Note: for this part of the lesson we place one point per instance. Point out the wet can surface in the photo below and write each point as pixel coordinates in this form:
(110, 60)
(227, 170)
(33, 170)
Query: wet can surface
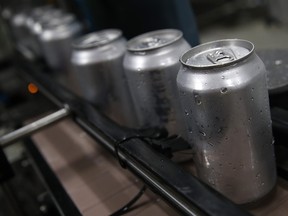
(97, 63)
(35, 15)
(151, 66)
(56, 37)
(224, 96)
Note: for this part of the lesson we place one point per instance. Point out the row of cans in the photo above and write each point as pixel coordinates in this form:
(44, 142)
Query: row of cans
(38, 32)
(215, 97)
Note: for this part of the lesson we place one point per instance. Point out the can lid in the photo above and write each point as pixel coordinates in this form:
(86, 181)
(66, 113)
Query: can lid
(51, 14)
(97, 39)
(217, 53)
(58, 21)
(154, 40)
(36, 14)
(19, 19)
(6, 13)
(38, 11)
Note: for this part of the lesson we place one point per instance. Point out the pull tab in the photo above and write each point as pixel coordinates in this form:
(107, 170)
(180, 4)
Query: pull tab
(151, 42)
(221, 56)
(95, 39)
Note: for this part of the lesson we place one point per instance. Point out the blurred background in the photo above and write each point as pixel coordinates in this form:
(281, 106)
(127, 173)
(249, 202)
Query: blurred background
(264, 22)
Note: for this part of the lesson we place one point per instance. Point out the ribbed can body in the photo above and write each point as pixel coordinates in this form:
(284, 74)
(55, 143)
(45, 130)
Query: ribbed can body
(151, 66)
(97, 64)
(56, 41)
(223, 91)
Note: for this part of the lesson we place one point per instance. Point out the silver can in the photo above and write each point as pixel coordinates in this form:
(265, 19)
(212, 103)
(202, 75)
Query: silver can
(35, 27)
(151, 65)
(56, 37)
(97, 62)
(224, 97)
(33, 17)
(19, 31)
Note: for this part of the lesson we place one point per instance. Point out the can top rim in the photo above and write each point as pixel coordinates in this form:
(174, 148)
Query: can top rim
(58, 21)
(154, 40)
(97, 39)
(194, 58)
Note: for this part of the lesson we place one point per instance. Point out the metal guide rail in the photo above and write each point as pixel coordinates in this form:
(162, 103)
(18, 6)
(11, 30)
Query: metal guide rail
(178, 187)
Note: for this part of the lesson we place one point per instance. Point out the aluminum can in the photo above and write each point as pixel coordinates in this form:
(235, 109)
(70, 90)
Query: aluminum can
(97, 62)
(35, 28)
(19, 31)
(151, 65)
(32, 18)
(224, 96)
(55, 39)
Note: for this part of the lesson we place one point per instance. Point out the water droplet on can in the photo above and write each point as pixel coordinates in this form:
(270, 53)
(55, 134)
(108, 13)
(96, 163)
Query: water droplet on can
(197, 99)
(202, 133)
(223, 90)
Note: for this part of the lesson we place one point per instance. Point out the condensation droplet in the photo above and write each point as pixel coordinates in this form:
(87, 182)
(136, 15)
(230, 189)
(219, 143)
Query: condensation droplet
(252, 89)
(252, 98)
(219, 130)
(224, 90)
(257, 175)
(222, 77)
(202, 133)
(249, 119)
(278, 62)
(197, 99)
(262, 183)
(184, 68)
(186, 112)
(183, 92)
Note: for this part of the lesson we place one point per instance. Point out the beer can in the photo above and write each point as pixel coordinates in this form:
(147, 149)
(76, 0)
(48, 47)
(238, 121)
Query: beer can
(33, 17)
(55, 39)
(35, 28)
(151, 65)
(224, 96)
(36, 13)
(97, 62)
(19, 31)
